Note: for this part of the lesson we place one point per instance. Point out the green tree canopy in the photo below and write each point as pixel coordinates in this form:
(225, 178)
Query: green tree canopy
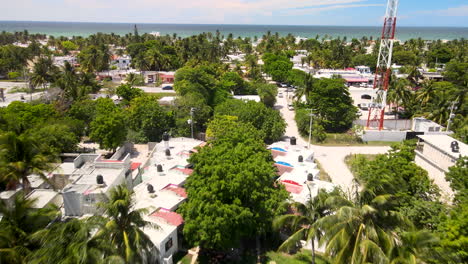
(333, 104)
(231, 191)
(147, 119)
(265, 119)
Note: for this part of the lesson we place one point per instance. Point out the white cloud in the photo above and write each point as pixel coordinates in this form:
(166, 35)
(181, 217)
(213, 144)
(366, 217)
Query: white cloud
(454, 11)
(307, 11)
(460, 11)
(164, 11)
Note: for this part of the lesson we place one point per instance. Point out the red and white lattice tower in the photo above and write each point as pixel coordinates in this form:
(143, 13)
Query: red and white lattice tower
(383, 70)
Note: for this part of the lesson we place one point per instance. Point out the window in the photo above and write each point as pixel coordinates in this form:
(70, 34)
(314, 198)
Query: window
(169, 244)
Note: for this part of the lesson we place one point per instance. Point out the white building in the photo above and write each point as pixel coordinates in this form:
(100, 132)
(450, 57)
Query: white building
(297, 171)
(436, 154)
(60, 60)
(89, 179)
(122, 62)
(421, 124)
(162, 192)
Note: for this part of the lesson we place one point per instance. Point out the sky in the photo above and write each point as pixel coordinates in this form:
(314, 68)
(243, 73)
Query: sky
(267, 12)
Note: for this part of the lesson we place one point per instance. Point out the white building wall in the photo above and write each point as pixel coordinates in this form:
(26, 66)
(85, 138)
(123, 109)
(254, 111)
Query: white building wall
(435, 174)
(434, 155)
(174, 249)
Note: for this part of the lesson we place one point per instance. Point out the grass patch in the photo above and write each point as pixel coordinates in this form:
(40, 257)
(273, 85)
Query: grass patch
(17, 89)
(323, 175)
(182, 257)
(354, 161)
(161, 95)
(345, 139)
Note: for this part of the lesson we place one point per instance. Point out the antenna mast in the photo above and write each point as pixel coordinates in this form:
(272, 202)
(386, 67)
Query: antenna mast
(383, 70)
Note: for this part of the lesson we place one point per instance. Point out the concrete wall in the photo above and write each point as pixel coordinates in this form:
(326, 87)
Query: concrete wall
(400, 124)
(389, 136)
(121, 151)
(83, 158)
(434, 155)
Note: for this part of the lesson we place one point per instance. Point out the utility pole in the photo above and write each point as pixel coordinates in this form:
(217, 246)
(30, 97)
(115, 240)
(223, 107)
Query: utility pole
(310, 127)
(452, 115)
(192, 109)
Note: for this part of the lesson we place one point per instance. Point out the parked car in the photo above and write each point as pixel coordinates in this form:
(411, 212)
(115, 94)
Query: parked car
(290, 107)
(280, 95)
(167, 87)
(366, 96)
(363, 106)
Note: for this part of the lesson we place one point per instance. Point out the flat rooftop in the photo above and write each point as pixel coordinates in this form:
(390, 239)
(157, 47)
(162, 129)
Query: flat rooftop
(444, 142)
(43, 197)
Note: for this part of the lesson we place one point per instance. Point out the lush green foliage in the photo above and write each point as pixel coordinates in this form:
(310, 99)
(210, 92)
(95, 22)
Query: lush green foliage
(108, 127)
(265, 119)
(147, 119)
(231, 191)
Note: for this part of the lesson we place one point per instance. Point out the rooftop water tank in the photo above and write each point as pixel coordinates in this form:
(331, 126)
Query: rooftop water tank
(159, 168)
(300, 158)
(293, 141)
(99, 179)
(150, 188)
(310, 177)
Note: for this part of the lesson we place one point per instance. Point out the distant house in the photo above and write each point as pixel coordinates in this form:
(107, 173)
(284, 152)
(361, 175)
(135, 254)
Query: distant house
(159, 76)
(121, 62)
(60, 60)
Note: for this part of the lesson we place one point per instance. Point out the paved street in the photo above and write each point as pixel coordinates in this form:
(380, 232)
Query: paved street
(11, 97)
(331, 158)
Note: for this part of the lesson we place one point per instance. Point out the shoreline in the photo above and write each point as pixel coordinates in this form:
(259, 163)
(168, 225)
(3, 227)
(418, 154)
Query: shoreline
(84, 29)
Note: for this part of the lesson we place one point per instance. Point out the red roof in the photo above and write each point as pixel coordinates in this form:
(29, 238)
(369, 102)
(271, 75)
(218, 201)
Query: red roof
(184, 170)
(276, 153)
(167, 75)
(282, 169)
(356, 80)
(169, 217)
(135, 165)
(178, 190)
(292, 188)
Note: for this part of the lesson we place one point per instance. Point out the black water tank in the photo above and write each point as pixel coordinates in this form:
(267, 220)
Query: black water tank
(293, 141)
(455, 147)
(150, 188)
(165, 136)
(100, 179)
(300, 158)
(159, 168)
(189, 166)
(168, 152)
(310, 177)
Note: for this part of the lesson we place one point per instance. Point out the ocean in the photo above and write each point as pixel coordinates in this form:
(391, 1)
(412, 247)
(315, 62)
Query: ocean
(69, 29)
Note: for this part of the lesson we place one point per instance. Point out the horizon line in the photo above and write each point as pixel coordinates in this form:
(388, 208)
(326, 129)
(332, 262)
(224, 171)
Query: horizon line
(207, 24)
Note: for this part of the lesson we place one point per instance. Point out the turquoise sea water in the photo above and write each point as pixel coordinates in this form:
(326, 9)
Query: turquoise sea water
(84, 29)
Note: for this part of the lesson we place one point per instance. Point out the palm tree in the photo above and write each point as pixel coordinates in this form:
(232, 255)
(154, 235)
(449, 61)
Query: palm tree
(68, 242)
(399, 93)
(427, 92)
(43, 72)
(122, 227)
(306, 89)
(414, 75)
(412, 247)
(19, 221)
(302, 220)
(21, 156)
(360, 232)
